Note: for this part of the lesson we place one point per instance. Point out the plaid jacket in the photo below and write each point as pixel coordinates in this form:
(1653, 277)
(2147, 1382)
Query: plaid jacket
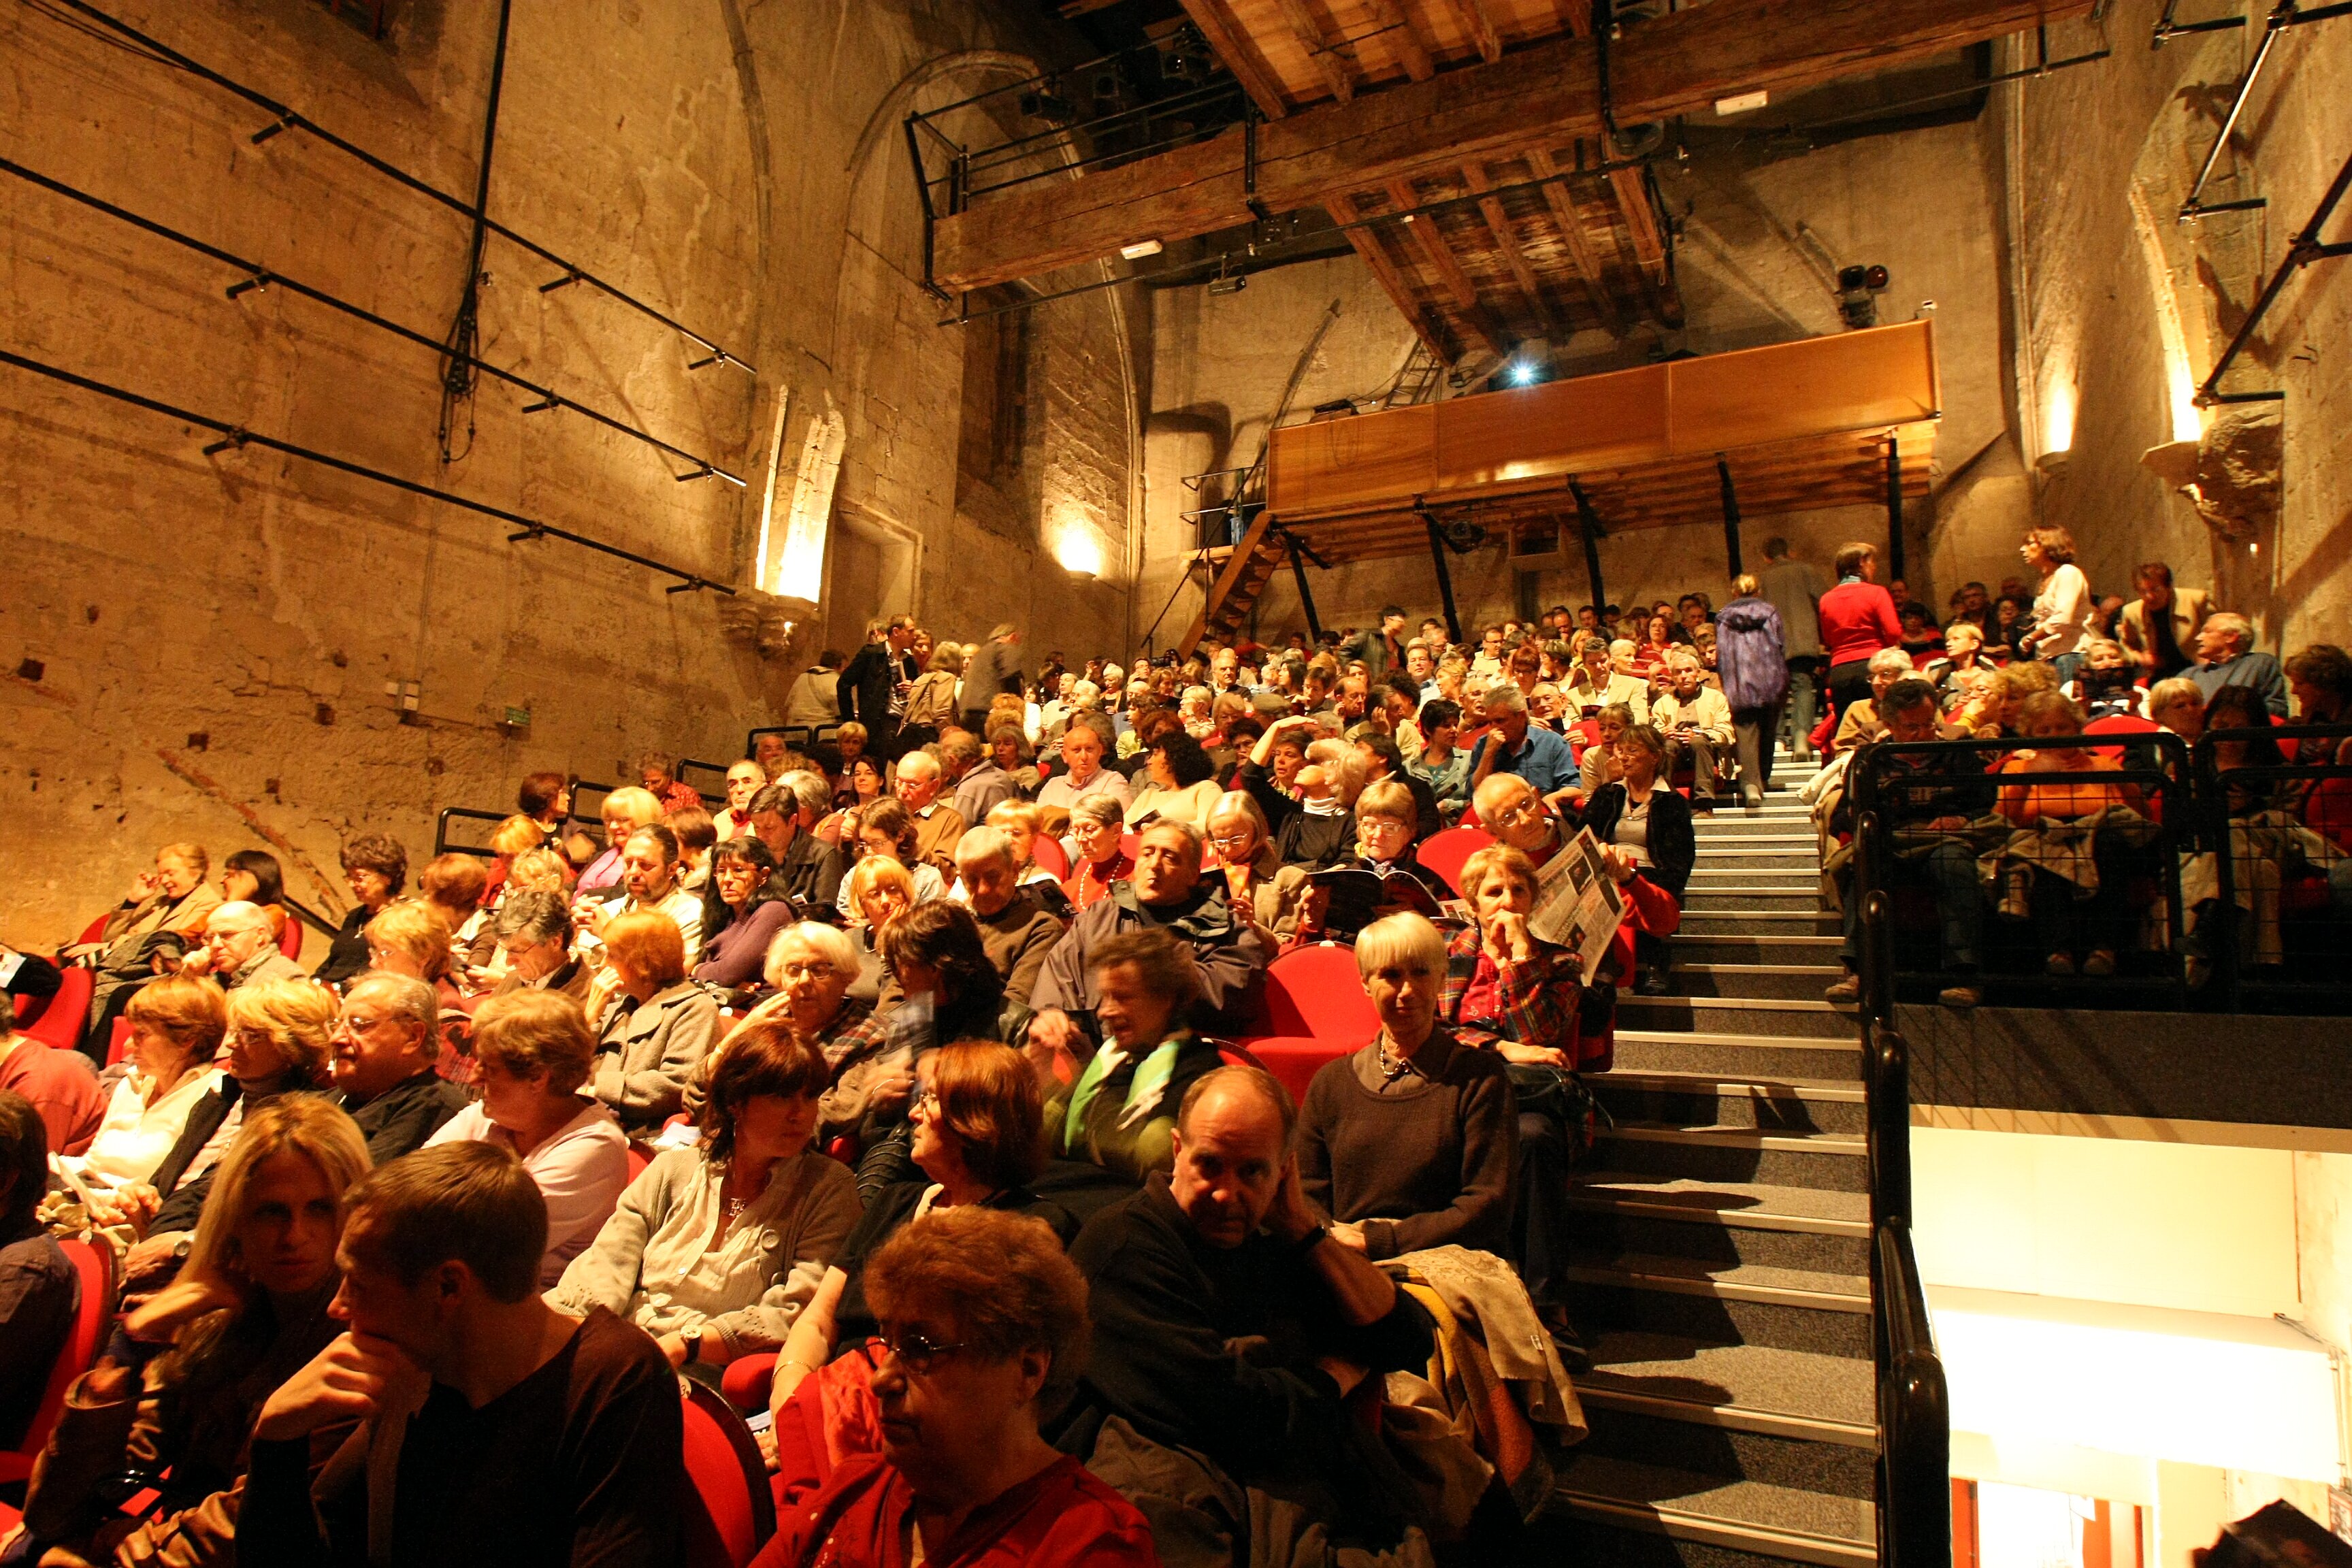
(1535, 1006)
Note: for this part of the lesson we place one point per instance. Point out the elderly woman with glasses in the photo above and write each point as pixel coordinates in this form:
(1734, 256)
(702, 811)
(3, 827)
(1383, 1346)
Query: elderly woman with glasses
(716, 1249)
(983, 1325)
(1098, 859)
(1258, 886)
(811, 972)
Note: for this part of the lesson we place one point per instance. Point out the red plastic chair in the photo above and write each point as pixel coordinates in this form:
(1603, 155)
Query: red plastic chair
(1129, 843)
(639, 1158)
(1316, 1012)
(737, 1514)
(1442, 853)
(82, 1340)
(1050, 856)
(60, 1023)
(290, 937)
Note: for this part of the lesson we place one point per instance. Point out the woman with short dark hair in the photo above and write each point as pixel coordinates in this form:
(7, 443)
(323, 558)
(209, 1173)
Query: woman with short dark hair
(376, 868)
(743, 907)
(716, 1249)
(1181, 781)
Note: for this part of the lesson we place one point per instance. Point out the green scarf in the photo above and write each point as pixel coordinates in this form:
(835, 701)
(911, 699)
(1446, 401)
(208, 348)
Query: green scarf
(1144, 1091)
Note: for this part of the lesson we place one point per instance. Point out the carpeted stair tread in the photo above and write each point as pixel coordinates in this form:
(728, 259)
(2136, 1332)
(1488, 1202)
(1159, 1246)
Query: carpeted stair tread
(1719, 1498)
(1732, 1376)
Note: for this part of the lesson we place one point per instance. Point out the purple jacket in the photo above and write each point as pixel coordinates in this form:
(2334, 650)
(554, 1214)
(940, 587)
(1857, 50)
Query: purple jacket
(1750, 654)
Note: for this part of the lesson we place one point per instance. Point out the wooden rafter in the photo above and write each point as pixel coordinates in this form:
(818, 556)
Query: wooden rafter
(1338, 73)
(1396, 35)
(1546, 93)
(1370, 245)
(1480, 27)
(1562, 202)
(1447, 266)
(1499, 224)
(1230, 44)
(1641, 221)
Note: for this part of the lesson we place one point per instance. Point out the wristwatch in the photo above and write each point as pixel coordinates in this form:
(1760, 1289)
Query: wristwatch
(694, 1346)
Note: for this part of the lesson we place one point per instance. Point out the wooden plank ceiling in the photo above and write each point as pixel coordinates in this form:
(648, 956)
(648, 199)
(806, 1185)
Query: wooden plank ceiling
(1508, 260)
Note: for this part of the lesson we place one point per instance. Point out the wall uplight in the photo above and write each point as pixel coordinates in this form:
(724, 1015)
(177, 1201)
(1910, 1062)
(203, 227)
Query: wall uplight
(2058, 416)
(1079, 550)
(1140, 249)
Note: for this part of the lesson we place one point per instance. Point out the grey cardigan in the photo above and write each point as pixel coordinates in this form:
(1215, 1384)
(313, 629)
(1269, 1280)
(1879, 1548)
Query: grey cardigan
(646, 1052)
(669, 1263)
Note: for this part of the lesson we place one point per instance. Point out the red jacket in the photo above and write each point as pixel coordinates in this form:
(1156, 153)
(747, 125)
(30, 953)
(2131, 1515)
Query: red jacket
(1858, 619)
(1060, 1518)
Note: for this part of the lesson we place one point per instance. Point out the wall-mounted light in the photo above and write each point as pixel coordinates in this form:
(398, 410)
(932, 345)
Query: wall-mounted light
(1079, 550)
(2058, 408)
(1140, 249)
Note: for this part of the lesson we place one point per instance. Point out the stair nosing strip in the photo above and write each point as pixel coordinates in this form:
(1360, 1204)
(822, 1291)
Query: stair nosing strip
(1668, 1080)
(1740, 1220)
(1846, 1145)
(1756, 970)
(1768, 1004)
(1731, 1417)
(1720, 1290)
(1802, 1546)
(1775, 1042)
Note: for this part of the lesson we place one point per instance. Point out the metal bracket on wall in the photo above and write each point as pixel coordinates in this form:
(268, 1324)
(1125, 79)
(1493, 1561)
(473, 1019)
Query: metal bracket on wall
(2168, 28)
(2284, 15)
(2305, 248)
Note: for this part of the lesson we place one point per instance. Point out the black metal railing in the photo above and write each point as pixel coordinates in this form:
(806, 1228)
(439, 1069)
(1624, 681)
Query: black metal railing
(1955, 845)
(2227, 886)
(1913, 1408)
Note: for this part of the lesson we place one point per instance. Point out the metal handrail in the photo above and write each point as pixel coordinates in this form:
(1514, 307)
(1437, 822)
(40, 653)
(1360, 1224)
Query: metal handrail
(2213, 784)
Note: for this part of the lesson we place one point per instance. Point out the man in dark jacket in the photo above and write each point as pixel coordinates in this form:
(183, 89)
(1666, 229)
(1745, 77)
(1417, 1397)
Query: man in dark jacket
(873, 690)
(995, 666)
(1751, 657)
(1229, 1330)
(1165, 892)
(1382, 650)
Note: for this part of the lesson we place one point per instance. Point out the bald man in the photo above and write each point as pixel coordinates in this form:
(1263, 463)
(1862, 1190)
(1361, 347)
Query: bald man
(240, 948)
(938, 825)
(1225, 1248)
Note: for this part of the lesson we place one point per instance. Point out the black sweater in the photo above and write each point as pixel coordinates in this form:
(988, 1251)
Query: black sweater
(1673, 843)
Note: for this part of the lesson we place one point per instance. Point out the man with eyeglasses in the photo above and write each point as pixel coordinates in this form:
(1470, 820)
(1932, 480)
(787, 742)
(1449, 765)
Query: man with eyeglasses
(1223, 1250)
(1016, 932)
(1509, 808)
(380, 1059)
(1165, 892)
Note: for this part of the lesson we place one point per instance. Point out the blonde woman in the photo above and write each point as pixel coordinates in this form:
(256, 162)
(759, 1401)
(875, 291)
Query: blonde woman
(1258, 886)
(879, 890)
(535, 1049)
(1019, 822)
(624, 810)
(176, 1025)
(246, 1312)
(653, 1024)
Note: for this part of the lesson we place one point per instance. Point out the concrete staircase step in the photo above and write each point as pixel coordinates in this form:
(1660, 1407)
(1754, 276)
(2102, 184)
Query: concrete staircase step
(1832, 1162)
(1804, 1453)
(1630, 1513)
(1689, 947)
(1807, 876)
(1738, 1055)
(1796, 982)
(1824, 1315)
(1757, 1384)
(1747, 1205)
(1739, 823)
(1742, 896)
(1760, 922)
(1793, 1016)
(1704, 1099)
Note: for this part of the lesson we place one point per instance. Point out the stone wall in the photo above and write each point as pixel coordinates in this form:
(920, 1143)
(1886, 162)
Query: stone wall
(201, 644)
(2122, 311)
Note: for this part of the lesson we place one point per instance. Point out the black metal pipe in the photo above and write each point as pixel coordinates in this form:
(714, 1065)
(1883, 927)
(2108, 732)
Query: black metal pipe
(1589, 523)
(1894, 505)
(465, 326)
(237, 435)
(1731, 514)
(255, 276)
(2281, 16)
(2306, 249)
(1445, 579)
(288, 119)
(1306, 594)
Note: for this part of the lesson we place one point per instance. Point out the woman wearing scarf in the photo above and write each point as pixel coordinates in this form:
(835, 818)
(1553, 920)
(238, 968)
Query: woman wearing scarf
(1120, 1113)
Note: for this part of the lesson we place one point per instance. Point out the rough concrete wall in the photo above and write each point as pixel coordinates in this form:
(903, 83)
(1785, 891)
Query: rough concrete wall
(1762, 242)
(205, 641)
(2094, 150)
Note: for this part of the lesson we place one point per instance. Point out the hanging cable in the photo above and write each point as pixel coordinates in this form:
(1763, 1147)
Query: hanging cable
(285, 118)
(466, 327)
(252, 276)
(235, 435)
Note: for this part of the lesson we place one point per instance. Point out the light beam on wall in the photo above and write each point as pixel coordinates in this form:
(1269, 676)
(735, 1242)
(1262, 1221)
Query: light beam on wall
(2058, 415)
(1080, 550)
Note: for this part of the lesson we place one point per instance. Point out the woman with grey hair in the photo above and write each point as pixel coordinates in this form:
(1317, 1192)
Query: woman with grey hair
(1098, 859)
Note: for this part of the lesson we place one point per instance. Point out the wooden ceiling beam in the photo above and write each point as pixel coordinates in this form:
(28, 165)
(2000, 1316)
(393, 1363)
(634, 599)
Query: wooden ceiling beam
(1499, 224)
(1338, 73)
(1480, 26)
(1396, 35)
(1562, 202)
(1370, 245)
(1230, 44)
(1544, 94)
(1438, 255)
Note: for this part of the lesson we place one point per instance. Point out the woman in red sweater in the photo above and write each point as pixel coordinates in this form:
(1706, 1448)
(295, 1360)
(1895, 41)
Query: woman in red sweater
(1857, 619)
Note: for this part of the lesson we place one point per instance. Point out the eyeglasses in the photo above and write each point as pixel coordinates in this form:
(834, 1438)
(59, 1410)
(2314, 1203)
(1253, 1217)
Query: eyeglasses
(912, 1348)
(817, 971)
(926, 1098)
(1526, 811)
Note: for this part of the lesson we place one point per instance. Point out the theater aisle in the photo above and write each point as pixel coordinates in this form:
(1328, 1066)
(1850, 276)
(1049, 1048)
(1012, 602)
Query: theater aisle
(1725, 1288)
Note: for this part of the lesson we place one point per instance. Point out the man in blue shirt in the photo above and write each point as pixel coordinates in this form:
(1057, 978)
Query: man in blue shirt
(2226, 657)
(1513, 745)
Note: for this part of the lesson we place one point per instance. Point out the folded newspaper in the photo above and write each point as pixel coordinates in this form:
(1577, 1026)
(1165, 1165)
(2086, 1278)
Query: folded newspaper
(1578, 906)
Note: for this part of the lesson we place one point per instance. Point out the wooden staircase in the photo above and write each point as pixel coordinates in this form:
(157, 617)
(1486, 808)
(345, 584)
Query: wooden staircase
(1724, 1275)
(1246, 571)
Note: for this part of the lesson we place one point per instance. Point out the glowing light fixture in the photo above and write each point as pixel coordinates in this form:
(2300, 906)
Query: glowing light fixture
(2058, 415)
(1140, 249)
(1523, 374)
(1080, 550)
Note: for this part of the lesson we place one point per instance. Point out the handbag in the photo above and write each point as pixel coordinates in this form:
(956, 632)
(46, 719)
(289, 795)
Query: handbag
(1562, 1096)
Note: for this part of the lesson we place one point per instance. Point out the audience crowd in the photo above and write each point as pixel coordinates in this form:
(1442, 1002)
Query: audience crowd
(904, 1102)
